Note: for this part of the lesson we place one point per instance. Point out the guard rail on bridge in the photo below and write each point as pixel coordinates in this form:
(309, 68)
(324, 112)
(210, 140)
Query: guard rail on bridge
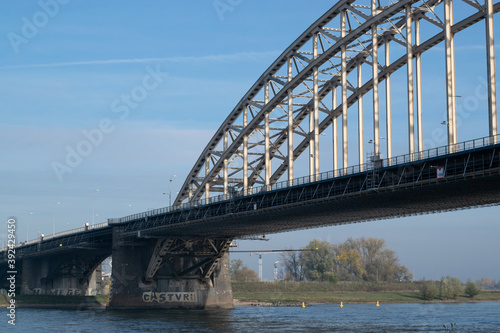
(376, 164)
(401, 160)
(61, 234)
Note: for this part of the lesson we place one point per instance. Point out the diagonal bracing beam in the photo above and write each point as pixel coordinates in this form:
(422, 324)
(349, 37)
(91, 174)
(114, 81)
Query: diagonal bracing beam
(161, 249)
(206, 255)
(216, 259)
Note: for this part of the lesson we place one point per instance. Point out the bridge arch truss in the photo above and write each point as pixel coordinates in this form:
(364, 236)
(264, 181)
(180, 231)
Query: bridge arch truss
(307, 91)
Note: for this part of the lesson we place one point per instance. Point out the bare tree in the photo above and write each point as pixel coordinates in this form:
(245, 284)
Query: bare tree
(292, 262)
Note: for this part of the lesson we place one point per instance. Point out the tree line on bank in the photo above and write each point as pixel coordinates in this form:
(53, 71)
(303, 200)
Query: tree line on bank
(362, 259)
(448, 288)
(488, 283)
(241, 273)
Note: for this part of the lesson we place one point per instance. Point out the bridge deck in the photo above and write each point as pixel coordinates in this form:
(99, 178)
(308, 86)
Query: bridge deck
(471, 179)
(386, 189)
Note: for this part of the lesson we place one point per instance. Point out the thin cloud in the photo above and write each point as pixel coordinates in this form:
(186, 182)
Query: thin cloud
(209, 58)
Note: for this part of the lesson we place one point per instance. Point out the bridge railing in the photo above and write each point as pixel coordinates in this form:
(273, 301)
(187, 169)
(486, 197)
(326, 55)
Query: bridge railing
(375, 163)
(441, 151)
(59, 234)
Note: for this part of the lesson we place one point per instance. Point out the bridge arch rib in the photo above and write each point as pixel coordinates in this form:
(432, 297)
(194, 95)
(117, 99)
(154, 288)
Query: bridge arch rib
(304, 81)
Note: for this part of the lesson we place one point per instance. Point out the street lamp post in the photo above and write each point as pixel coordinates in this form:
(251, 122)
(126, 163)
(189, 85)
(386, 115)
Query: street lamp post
(54, 218)
(375, 156)
(170, 190)
(93, 205)
(376, 163)
(372, 142)
(27, 228)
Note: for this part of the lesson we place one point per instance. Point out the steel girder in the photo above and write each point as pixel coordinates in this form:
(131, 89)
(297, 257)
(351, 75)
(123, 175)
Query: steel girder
(293, 208)
(93, 240)
(296, 85)
(205, 255)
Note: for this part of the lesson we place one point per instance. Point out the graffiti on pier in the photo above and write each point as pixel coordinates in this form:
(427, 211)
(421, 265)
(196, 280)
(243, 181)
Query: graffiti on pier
(163, 297)
(60, 292)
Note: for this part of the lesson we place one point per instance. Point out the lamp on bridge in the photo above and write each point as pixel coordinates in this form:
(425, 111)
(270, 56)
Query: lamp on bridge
(54, 218)
(93, 204)
(27, 229)
(376, 156)
(170, 190)
(444, 122)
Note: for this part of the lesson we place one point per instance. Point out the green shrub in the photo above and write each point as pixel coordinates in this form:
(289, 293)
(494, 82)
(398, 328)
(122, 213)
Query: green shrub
(332, 278)
(450, 288)
(429, 290)
(472, 289)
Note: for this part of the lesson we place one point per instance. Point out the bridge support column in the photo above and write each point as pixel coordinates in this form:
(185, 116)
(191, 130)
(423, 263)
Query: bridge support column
(316, 99)
(376, 124)
(335, 133)
(267, 140)
(388, 101)
(450, 74)
(361, 141)
(290, 124)
(490, 63)
(57, 275)
(418, 81)
(170, 273)
(345, 145)
(409, 64)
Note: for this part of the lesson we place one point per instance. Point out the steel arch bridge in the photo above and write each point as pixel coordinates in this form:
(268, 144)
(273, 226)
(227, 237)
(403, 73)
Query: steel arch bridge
(307, 90)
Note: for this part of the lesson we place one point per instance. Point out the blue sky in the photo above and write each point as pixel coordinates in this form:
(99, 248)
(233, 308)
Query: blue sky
(66, 78)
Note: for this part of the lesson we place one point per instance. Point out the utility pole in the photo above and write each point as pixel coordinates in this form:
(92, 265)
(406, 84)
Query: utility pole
(260, 267)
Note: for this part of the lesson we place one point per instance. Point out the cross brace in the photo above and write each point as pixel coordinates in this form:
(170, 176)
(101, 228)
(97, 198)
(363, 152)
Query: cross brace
(161, 249)
(205, 255)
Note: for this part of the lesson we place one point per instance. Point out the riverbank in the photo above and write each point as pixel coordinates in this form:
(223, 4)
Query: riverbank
(294, 293)
(279, 294)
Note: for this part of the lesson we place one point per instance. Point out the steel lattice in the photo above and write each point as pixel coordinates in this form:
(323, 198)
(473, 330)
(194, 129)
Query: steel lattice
(269, 124)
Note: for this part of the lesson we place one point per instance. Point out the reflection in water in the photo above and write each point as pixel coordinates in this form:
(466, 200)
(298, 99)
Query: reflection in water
(467, 317)
(175, 320)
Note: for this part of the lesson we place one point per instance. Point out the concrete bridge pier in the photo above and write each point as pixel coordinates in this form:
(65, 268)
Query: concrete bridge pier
(64, 275)
(170, 273)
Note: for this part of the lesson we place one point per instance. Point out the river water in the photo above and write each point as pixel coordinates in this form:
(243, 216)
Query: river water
(467, 317)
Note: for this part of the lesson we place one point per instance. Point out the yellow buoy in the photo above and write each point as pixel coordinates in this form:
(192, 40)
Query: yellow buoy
(341, 305)
(378, 304)
(303, 305)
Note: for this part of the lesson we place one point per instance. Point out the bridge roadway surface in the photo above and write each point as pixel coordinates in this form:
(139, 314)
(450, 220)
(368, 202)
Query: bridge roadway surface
(471, 179)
